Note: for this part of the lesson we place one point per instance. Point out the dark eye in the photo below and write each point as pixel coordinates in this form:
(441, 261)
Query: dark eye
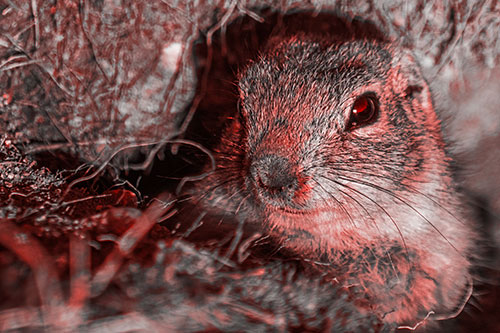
(364, 111)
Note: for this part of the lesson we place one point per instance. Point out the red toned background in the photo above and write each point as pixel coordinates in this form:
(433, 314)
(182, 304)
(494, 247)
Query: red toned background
(92, 91)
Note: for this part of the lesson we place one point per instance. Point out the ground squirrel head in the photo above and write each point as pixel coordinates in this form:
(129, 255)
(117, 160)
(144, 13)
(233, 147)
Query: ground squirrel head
(337, 150)
(342, 127)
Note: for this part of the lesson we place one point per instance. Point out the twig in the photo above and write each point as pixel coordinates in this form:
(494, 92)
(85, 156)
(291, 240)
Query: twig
(83, 19)
(17, 318)
(250, 13)
(13, 58)
(201, 176)
(34, 10)
(149, 159)
(460, 308)
(129, 322)
(242, 249)
(196, 224)
(414, 327)
(29, 250)
(236, 239)
(204, 78)
(79, 265)
(102, 166)
(57, 146)
(222, 22)
(93, 197)
(39, 65)
(61, 130)
(125, 245)
(19, 64)
(3, 43)
(452, 45)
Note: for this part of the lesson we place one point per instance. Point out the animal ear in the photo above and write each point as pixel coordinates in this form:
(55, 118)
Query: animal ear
(408, 80)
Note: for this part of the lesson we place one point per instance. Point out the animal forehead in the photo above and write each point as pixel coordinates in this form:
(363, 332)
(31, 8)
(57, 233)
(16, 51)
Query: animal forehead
(332, 53)
(306, 81)
(297, 66)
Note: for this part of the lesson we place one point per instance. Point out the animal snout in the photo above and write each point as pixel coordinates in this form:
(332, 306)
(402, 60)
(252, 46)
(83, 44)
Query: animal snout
(274, 177)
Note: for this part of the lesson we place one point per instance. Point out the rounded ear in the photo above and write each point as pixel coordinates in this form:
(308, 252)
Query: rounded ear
(409, 84)
(407, 79)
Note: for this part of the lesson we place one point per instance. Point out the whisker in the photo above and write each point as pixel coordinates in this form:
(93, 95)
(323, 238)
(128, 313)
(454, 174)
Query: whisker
(361, 182)
(378, 205)
(211, 189)
(409, 186)
(338, 202)
(238, 232)
(367, 212)
(376, 226)
(241, 203)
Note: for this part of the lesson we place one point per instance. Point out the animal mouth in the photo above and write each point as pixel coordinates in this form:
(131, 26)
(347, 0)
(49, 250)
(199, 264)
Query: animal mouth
(285, 210)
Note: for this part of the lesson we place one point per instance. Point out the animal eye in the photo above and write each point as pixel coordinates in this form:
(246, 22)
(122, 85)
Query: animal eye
(364, 111)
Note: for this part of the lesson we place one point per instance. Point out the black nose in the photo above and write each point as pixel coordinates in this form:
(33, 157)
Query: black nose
(274, 176)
